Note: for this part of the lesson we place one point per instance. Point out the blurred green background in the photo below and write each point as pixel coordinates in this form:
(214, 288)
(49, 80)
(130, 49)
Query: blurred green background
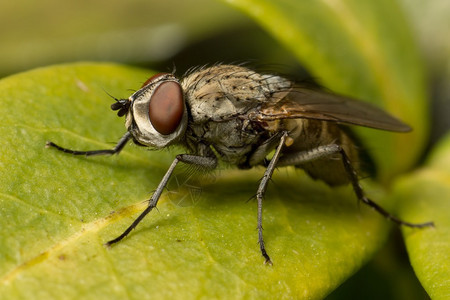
(144, 33)
(161, 34)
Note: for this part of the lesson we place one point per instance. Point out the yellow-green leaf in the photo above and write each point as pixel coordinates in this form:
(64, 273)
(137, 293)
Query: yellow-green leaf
(425, 196)
(57, 210)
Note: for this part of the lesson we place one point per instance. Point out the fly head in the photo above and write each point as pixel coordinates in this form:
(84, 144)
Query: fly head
(156, 114)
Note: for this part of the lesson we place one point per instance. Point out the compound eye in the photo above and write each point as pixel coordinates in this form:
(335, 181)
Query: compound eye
(153, 78)
(166, 107)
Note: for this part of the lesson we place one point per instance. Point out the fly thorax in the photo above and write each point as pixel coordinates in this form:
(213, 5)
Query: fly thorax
(222, 92)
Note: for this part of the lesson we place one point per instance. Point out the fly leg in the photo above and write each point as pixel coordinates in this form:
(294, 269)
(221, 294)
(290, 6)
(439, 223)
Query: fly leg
(327, 150)
(203, 161)
(116, 150)
(208, 162)
(260, 195)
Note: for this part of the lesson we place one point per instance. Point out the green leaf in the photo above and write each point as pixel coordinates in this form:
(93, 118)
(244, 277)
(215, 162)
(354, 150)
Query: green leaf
(57, 210)
(425, 196)
(359, 48)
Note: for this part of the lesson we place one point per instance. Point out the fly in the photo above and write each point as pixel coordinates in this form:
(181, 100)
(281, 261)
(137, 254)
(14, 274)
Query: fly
(239, 116)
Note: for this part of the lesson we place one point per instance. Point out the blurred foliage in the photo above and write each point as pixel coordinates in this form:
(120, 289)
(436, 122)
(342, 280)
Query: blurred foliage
(137, 31)
(431, 25)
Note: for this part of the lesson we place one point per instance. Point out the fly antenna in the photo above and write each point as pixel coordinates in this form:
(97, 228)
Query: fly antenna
(122, 105)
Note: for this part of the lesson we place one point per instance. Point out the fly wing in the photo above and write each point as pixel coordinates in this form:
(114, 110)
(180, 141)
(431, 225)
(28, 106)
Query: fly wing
(300, 102)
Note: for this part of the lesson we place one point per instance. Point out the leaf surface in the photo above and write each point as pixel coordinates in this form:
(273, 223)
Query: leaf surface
(58, 210)
(425, 196)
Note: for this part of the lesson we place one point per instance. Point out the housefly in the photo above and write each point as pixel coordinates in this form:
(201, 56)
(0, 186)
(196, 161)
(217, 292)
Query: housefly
(239, 116)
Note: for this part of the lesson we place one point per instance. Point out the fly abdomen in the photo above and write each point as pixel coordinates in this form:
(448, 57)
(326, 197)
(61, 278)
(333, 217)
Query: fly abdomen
(312, 151)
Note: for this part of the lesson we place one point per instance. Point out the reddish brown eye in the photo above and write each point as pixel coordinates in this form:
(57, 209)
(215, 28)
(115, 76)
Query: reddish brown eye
(153, 78)
(166, 107)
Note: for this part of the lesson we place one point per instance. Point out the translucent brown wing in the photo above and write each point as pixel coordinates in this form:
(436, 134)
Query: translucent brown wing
(305, 103)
